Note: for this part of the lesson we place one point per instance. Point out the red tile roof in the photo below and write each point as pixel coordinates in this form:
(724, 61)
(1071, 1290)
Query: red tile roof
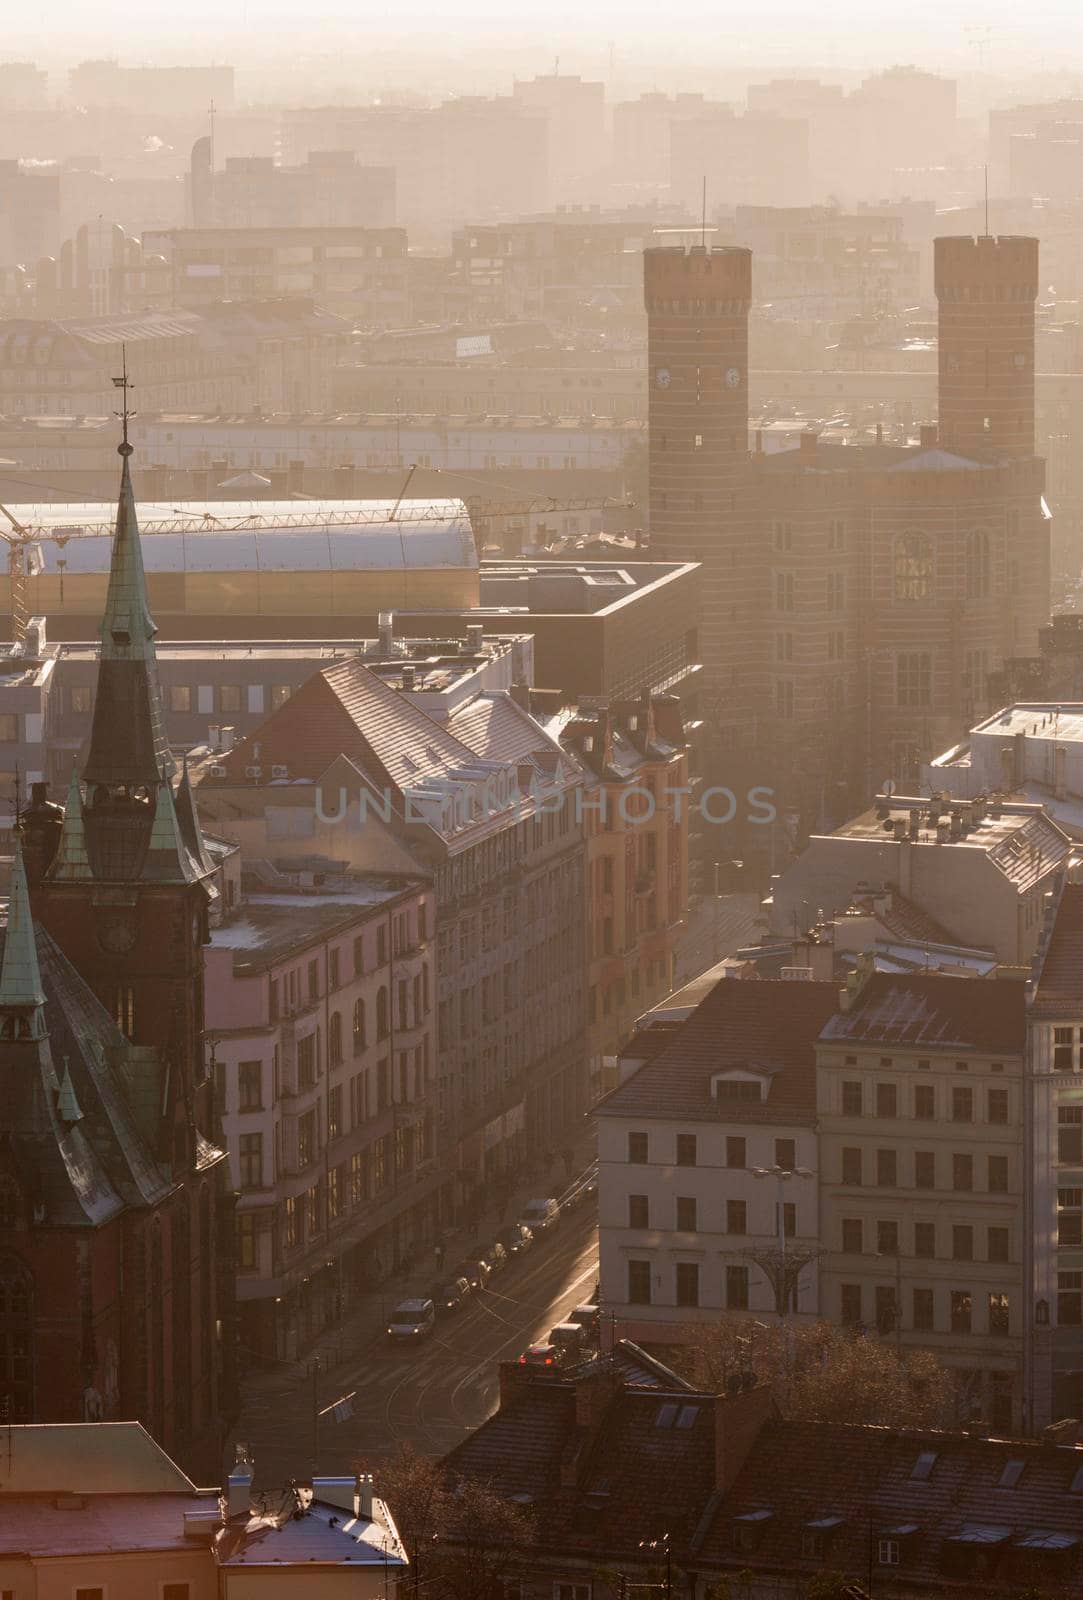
(772, 1023)
(935, 1012)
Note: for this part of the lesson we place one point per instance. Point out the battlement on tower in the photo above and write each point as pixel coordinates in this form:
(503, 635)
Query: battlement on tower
(697, 280)
(986, 268)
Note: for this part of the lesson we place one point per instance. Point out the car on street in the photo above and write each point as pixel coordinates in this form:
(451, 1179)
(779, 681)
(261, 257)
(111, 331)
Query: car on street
(475, 1270)
(571, 1340)
(587, 1316)
(539, 1215)
(542, 1354)
(515, 1238)
(496, 1256)
(411, 1319)
(453, 1295)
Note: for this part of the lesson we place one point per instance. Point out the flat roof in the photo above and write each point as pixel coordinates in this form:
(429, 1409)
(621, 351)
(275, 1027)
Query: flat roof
(270, 925)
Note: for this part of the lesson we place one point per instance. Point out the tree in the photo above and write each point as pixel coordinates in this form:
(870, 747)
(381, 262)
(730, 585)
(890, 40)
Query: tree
(464, 1540)
(823, 1373)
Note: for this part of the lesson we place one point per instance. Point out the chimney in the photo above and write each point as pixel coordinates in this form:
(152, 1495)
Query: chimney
(928, 436)
(738, 1419)
(1060, 781)
(239, 1485)
(475, 634)
(520, 693)
(226, 739)
(594, 1392)
(512, 1379)
(409, 677)
(807, 445)
(366, 1492)
(385, 632)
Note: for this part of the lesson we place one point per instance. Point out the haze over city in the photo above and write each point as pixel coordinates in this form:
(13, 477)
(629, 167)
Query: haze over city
(541, 802)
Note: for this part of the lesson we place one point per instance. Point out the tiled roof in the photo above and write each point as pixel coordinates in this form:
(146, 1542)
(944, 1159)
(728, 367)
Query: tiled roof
(908, 921)
(803, 1471)
(935, 1012)
(771, 1023)
(1060, 981)
(497, 729)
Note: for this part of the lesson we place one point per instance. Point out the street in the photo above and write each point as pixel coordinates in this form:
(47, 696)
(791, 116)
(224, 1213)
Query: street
(428, 1396)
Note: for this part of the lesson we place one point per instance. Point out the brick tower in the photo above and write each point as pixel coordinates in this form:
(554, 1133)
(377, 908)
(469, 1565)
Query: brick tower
(697, 329)
(986, 289)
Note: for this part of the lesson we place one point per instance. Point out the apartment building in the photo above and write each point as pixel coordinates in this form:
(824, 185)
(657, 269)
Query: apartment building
(320, 1011)
(1053, 1290)
(707, 1163)
(636, 806)
(922, 1175)
(1032, 749)
(977, 868)
(483, 807)
(329, 190)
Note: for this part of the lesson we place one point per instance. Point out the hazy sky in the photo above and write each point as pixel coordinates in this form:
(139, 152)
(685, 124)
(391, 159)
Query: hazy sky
(998, 35)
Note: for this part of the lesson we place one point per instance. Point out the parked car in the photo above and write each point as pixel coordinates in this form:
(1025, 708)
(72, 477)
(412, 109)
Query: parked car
(411, 1319)
(496, 1257)
(542, 1354)
(515, 1238)
(587, 1317)
(476, 1271)
(572, 1340)
(538, 1215)
(453, 1295)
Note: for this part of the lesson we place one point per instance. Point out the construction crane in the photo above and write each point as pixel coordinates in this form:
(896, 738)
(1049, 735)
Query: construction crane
(26, 561)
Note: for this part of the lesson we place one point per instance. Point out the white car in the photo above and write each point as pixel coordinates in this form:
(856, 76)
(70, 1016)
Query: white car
(537, 1215)
(412, 1319)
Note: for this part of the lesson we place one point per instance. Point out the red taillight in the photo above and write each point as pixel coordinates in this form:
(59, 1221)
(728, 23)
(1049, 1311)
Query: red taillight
(548, 1361)
(522, 1361)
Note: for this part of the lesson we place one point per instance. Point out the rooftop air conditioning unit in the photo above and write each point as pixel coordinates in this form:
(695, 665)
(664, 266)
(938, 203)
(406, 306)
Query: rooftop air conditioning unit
(253, 772)
(280, 771)
(219, 772)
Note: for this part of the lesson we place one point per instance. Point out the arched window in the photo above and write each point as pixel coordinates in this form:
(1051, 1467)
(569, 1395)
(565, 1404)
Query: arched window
(913, 566)
(977, 564)
(16, 1341)
(358, 1027)
(381, 1014)
(334, 1039)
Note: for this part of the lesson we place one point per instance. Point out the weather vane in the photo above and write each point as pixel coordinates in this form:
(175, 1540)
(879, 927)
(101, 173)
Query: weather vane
(122, 383)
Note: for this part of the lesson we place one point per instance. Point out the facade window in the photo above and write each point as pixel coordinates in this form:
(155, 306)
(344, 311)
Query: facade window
(736, 1216)
(686, 1213)
(306, 1139)
(977, 564)
(686, 1149)
(358, 1026)
(247, 1258)
(1070, 1299)
(999, 1315)
(962, 1103)
(886, 1100)
(998, 1105)
(783, 591)
(250, 1156)
(1063, 1049)
(784, 698)
(306, 1061)
(638, 1211)
(997, 1174)
(639, 1283)
(924, 1102)
(914, 566)
(886, 1169)
(334, 1112)
(998, 1244)
(180, 697)
(924, 1169)
(853, 1241)
(334, 1039)
(250, 1085)
(637, 1148)
(913, 679)
(1070, 1217)
(886, 1309)
(962, 1172)
(1070, 1135)
(358, 1184)
(229, 697)
(887, 1552)
(382, 1023)
(785, 1154)
(923, 1310)
(836, 591)
(16, 1341)
(735, 1151)
(850, 1304)
(687, 1283)
(851, 1166)
(292, 1223)
(280, 693)
(925, 1240)
(887, 1238)
(960, 1311)
(851, 1099)
(962, 1242)
(737, 1288)
(783, 535)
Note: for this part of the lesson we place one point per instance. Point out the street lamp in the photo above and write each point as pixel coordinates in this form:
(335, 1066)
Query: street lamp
(782, 1176)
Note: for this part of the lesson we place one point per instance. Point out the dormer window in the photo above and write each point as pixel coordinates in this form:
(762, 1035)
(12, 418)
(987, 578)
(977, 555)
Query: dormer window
(738, 1086)
(817, 1535)
(749, 1528)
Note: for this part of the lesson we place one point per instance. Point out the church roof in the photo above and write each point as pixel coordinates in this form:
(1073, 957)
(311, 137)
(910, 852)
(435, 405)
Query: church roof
(20, 979)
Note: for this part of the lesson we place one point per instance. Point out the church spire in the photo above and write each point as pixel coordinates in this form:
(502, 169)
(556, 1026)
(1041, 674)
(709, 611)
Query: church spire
(22, 997)
(128, 745)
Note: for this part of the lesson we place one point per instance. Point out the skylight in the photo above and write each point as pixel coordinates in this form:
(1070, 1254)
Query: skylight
(687, 1416)
(1077, 1482)
(1013, 1471)
(666, 1415)
(923, 1466)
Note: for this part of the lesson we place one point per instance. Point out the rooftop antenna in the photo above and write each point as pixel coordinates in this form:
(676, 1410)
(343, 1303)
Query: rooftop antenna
(125, 415)
(703, 215)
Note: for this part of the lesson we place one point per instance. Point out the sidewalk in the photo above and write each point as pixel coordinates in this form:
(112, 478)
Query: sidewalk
(364, 1323)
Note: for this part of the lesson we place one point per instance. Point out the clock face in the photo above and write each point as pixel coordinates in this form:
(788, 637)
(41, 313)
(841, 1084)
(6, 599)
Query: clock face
(663, 377)
(733, 378)
(117, 936)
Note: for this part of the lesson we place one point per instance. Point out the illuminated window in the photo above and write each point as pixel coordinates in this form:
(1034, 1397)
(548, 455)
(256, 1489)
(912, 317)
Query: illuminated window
(913, 566)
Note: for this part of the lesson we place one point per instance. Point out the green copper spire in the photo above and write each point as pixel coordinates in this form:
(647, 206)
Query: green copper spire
(21, 992)
(71, 861)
